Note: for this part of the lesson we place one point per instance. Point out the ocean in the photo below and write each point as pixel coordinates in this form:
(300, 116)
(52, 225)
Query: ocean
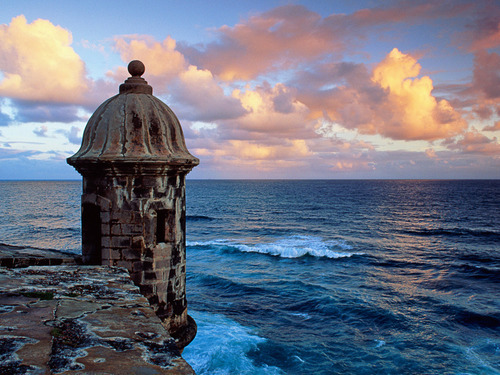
(319, 277)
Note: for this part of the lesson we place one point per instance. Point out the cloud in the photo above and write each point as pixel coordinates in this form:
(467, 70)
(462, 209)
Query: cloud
(278, 39)
(407, 12)
(39, 64)
(42, 131)
(271, 111)
(487, 74)
(254, 159)
(11, 153)
(416, 113)
(391, 100)
(430, 153)
(492, 128)
(250, 150)
(197, 96)
(473, 142)
(484, 32)
(162, 60)
(285, 37)
(195, 93)
(74, 135)
(45, 112)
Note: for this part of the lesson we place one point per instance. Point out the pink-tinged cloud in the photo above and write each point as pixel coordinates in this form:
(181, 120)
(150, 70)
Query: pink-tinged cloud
(391, 100)
(473, 142)
(492, 128)
(250, 158)
(408, 12)
(278, 39)
(39, 64)
(351, 165)
(285, 37)
(271, 111)
(197, 96)
(487, 75)
(162, 60)
(252, 150)
(194, 94)
(484, 32)
(430, 153)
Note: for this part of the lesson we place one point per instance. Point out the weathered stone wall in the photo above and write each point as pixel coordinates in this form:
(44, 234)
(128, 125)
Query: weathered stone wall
(142, 228)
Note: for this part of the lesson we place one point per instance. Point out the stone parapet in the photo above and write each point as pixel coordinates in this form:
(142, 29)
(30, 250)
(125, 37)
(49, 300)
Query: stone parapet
(18, 257)
(81, 319)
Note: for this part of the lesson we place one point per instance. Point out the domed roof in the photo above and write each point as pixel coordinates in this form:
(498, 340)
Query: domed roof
(133, 128)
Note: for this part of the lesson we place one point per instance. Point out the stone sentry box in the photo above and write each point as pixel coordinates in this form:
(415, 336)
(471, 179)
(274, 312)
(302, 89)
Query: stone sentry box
(134, 161)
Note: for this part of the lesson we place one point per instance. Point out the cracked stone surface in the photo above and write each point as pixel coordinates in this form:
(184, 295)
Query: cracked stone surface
(80, 320)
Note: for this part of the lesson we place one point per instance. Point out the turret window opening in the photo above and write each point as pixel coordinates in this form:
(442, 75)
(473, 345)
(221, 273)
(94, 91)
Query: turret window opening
(91, 233)
(165, 226)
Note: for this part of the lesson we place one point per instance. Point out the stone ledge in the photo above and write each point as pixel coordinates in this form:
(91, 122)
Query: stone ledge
(78, 320)
(16, 257)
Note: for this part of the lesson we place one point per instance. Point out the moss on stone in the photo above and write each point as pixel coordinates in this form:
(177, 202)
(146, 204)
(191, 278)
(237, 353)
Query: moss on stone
(47, 296)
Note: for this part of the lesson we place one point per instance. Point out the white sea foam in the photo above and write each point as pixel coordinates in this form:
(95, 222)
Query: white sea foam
(380, 343)
(300, 359)
(289, 247)
(305, 316)
(221, 345)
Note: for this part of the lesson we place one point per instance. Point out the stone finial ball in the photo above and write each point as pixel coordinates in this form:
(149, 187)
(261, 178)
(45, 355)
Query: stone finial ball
(136, 68)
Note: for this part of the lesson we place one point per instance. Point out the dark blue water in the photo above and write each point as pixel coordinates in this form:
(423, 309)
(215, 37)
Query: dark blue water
(320, 277)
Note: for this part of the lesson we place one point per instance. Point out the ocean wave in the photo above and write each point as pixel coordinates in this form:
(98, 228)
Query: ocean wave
(473, 319)
(199, 218)
(219, 354)
(490, 273)
(289, 247)
(228, 286)
(453, 232)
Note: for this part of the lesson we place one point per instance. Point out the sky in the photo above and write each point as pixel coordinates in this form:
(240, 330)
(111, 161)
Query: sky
(317, 89)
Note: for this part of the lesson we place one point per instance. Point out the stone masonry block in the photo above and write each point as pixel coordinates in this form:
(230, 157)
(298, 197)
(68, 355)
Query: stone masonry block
(116, 229)
(162, 264)
(137, 266)
(137, 277)
(105, 253)
(105, 217)
(124, 264)
(132, 228)
(120, 242)
(138, 243)
(161, 290)
(131, 254)
(121, 216)
(104, 203)
(106, 241)
(105, 231)
(150, 275)
(115, 254)
(141, 266)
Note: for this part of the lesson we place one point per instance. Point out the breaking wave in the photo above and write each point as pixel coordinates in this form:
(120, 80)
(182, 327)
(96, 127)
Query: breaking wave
(223, 354)
(288, 247)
